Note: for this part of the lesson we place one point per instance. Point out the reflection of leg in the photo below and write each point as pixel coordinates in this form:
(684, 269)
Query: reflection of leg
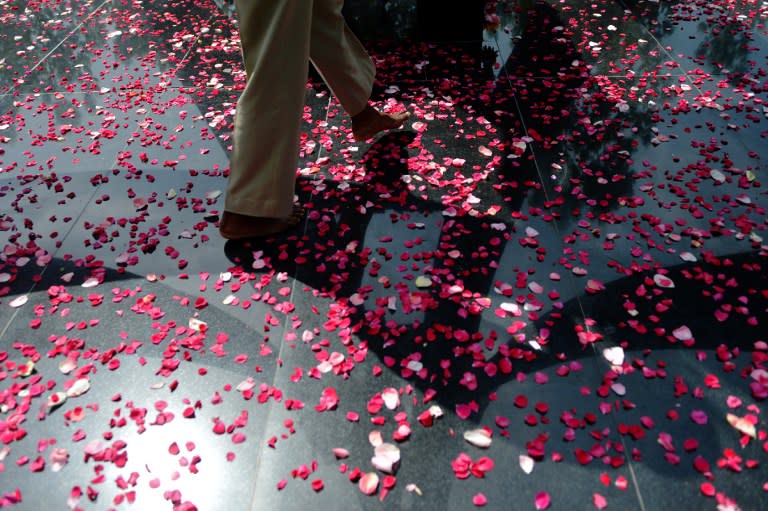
(345, 66)
(275, 41)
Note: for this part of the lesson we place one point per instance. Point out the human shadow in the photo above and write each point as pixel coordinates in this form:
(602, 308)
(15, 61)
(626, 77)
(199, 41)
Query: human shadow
(435, 325)
(412, 282)
(437, 340)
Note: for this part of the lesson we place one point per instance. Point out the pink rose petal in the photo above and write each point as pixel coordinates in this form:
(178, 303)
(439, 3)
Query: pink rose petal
(18, 301)
(682, 333)
(699, 417)
(599, 501)
(386, 458)
(479, 500)
(369, 483)
(375, 438)
(614, 355)
(542, 500)
(391, 398)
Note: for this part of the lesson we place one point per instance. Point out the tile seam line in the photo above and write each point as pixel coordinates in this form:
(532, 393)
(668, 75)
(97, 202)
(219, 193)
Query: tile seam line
(260, 446)
(303, 232)
(294, 286)
(573, 285)
(58, 45)
(558, 232)
(572, 279)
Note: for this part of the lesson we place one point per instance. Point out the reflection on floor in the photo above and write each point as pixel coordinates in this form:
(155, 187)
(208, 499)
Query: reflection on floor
(549, 290)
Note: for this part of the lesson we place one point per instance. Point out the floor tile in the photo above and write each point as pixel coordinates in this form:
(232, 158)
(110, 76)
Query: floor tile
(147, 367)
(561, 252)
(685, 369)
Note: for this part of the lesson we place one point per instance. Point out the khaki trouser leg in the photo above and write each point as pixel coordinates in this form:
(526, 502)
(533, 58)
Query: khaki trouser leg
(278, 38)
(339, 57)
(275, 39)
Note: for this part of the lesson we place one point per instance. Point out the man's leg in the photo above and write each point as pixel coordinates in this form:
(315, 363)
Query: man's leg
(275, 39)
(347, 69)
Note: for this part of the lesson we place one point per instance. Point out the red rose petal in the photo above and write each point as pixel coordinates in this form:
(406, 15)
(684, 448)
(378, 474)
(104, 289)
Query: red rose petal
(542, 500)
(479, 500)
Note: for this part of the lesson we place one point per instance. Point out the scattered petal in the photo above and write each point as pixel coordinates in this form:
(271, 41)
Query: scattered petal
(663, 281)
(479, 500)
(526, 463)
(742, 425)
(369, 483)
(542, 500)
(386, 458)
(79, 387)
(480, 437)
(391, 398)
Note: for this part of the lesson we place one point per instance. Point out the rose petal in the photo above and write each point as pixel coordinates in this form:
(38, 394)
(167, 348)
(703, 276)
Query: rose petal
(413, 489)
(90, 282)
(375, 438)
(699, 417)
(386, 458)
(682, 333)
(741, 424)
(58, 458)
(18, 301)
(614, 355)
(479, 500)
(619, 389)
(391, 398)
(80, 387)
(56, 399)
(526, 463)
(67, 365)
(423, 282)
(369, 483)
(480, 437)
(340, 453)
(599, 501)
(247, 384)
(542, 500)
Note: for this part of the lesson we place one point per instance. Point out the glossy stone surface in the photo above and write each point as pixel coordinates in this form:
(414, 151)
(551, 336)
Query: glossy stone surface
(565, 245)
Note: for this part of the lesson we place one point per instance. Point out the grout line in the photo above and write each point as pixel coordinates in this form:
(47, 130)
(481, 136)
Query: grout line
(633, 475)
(572, 284)
(303, 232)
(281, 350)
(268, 415)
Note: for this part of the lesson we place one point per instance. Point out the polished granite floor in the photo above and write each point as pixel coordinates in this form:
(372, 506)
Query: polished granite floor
(548, 291)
